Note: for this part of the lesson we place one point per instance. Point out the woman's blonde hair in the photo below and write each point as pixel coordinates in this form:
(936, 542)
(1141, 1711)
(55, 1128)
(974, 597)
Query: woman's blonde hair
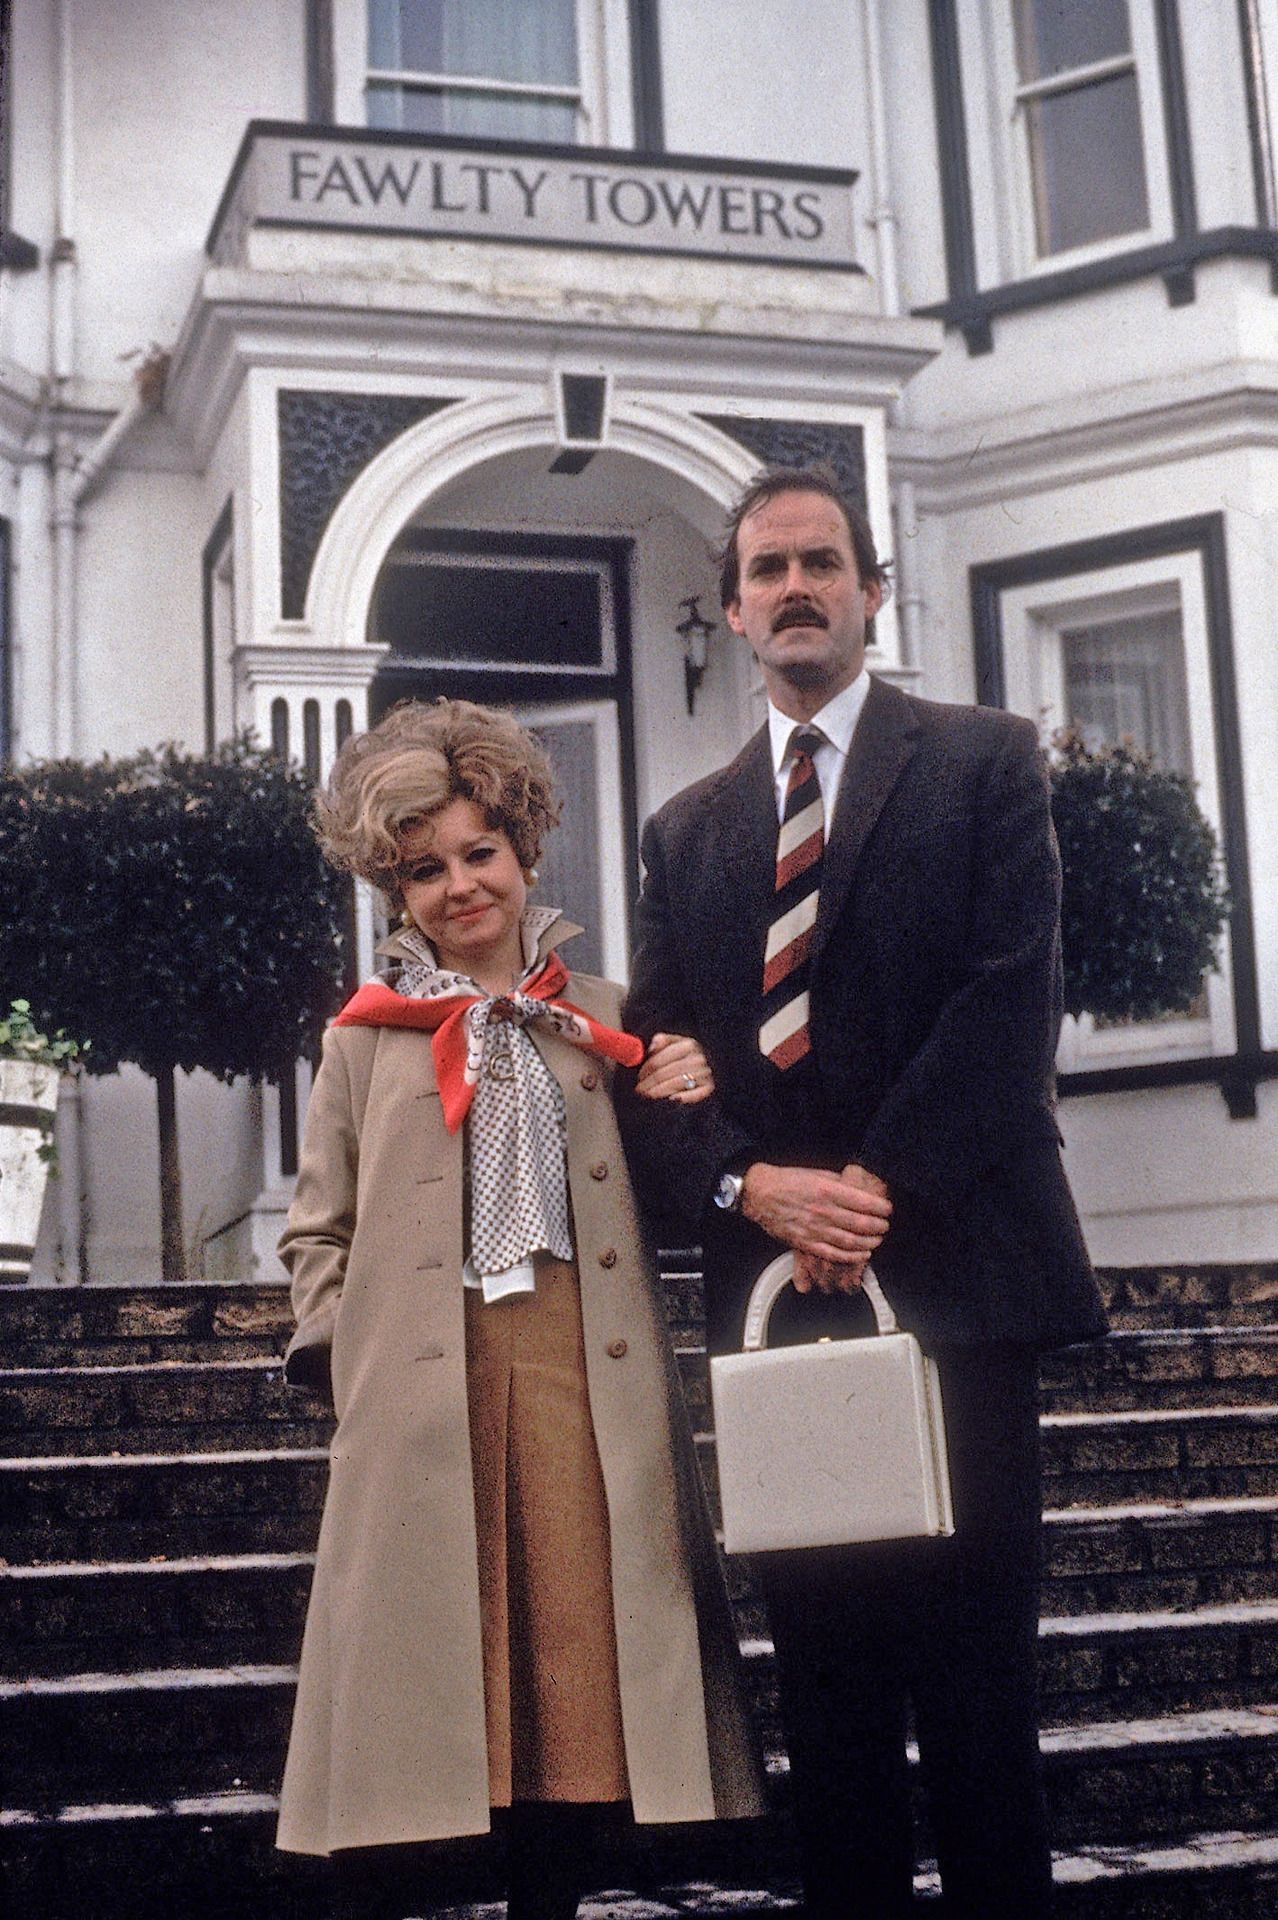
(417, 760)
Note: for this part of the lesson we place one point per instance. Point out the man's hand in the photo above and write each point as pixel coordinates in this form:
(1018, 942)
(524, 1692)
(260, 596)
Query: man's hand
(834, 1221)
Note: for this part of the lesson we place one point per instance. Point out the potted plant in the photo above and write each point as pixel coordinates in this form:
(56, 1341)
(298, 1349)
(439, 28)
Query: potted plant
(176, 908)
(1144, 899)
(31, 1063)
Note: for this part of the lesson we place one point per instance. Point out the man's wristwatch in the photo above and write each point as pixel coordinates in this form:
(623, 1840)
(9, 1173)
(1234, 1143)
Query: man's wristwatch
(727, 1195)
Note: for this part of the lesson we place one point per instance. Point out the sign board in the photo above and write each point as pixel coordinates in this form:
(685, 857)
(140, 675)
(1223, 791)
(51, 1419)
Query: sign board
(428, 185)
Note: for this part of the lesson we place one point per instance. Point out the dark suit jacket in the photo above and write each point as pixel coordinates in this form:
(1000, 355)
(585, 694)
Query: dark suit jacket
(936, 1004)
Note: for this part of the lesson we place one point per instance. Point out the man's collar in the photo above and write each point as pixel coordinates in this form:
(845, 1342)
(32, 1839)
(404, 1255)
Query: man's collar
(837, 720)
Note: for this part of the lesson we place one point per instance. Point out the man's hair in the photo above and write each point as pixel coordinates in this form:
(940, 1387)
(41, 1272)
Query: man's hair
(413, 764)
(778, 480)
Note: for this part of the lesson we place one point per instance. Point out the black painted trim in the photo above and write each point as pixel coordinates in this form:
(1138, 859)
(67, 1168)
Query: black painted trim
(465, 143)
(320, 81)
(19, 255)
(1258, 127)
(1237, 1076)
(6, 646)
(1180, 158)
(214, 547)
(1171, 259)
(646, 92)
(967, 307)
(1204, 535)
(289, 1129)
(951, 140)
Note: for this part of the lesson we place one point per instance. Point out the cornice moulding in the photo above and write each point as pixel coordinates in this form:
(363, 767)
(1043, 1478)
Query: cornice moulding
(243, 319)
(1149, 425)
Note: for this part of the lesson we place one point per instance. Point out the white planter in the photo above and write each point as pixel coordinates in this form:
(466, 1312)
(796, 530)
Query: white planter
(28, 1098)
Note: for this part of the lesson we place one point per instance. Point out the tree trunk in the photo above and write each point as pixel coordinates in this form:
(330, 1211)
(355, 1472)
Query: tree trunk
(172, 1233)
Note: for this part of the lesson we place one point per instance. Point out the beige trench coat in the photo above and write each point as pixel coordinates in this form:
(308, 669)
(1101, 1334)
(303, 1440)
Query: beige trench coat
(388, 1741)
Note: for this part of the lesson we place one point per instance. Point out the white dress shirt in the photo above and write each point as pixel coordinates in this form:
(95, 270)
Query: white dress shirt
(837, 721)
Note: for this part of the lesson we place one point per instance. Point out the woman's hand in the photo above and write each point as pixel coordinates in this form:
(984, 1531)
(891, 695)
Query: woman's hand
(675, 1069)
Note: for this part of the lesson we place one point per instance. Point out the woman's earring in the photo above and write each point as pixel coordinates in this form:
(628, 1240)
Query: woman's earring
(531, 876)
(406, 919)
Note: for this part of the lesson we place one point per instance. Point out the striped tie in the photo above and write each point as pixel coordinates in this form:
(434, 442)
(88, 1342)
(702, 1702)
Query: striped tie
(783, 1036)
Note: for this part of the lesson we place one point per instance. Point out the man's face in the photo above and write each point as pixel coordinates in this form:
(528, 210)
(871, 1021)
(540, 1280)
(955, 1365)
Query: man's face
(800, 601)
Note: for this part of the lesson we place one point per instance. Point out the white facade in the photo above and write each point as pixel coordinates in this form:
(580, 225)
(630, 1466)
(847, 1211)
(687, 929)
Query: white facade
(1052, 369)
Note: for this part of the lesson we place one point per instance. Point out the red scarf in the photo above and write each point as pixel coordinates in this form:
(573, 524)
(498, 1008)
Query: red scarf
(444, 1017)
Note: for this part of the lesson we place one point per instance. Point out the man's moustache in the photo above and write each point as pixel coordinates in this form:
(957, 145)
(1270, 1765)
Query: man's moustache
(799, 617)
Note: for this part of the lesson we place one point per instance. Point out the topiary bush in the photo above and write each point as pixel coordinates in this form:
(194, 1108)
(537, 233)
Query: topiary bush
(174, 909)
(1144, 901)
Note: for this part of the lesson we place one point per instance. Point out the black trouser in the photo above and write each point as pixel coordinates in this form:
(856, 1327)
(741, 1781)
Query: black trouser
(951, 1627)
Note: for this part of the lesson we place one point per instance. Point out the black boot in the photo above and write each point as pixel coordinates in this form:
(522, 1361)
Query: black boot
(546, 1859)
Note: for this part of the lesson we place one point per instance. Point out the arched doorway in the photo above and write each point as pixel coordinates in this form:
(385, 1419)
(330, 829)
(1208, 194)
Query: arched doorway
(560, 595)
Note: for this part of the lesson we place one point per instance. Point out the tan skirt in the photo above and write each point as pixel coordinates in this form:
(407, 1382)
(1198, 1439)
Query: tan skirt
(551, 1693)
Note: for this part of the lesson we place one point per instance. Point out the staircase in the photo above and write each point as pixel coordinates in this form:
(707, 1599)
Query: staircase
(159, 1498)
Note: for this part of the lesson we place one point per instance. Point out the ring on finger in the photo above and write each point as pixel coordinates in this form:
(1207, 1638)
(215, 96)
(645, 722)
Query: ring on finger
(690, 1081)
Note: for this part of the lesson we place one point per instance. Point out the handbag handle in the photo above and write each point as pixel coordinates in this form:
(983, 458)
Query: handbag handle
(773, 1281)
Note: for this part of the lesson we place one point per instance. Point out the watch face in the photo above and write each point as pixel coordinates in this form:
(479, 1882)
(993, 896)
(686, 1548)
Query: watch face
(728, 1192)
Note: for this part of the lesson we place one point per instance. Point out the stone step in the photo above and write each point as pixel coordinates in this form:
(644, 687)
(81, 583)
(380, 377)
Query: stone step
(1137, 1298)
(186, 1732)
(111, 1408)
(1154, 1557)
(213, 1612)
(1122, 1666)
(263, 1512)
(1160, 1555)
(135, 1506)
(124, 1615)
(1219, 1296)
(1147, 1664)
(87, 1326)
(1211, 1366)
(213, 1855)
(1195, 1453)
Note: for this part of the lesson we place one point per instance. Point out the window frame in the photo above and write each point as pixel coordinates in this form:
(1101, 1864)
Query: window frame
(1036, 617)
(605, 113)
(1202, 539)
(1002, 161)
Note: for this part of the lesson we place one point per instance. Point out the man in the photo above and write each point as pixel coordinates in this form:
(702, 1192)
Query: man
(861, 927)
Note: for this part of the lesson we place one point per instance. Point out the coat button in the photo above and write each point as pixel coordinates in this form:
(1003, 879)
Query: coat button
(600, 1170)
(617, 1349)
(589, 1081)
(608, 1258)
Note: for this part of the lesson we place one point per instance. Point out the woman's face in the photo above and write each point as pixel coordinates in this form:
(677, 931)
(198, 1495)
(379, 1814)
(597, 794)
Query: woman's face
(463, 885)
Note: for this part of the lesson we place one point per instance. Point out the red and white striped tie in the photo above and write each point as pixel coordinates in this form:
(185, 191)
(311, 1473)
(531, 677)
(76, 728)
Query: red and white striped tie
(783, 1035)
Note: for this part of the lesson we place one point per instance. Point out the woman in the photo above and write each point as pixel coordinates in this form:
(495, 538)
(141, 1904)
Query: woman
(516, 1600)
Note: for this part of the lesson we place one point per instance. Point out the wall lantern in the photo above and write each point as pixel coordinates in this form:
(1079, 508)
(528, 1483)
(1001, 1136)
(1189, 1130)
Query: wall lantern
(694, 632)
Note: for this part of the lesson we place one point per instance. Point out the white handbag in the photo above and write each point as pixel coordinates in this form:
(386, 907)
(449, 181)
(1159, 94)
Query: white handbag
(831, 1442)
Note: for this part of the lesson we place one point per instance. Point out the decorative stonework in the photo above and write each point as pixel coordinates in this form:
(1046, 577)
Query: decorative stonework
(326, 441)
(801, 443)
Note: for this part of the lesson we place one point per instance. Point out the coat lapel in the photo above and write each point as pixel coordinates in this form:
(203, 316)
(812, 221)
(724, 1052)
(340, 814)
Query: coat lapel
(881, 748)
(745, 815)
